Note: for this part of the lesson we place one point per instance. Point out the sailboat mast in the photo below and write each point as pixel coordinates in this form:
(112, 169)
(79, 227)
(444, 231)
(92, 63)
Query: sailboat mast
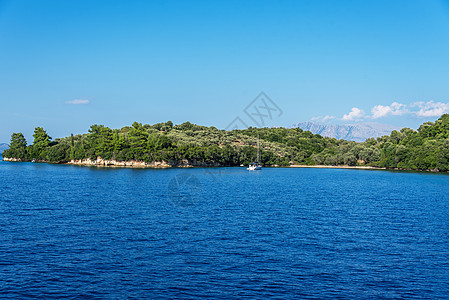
(258, 151)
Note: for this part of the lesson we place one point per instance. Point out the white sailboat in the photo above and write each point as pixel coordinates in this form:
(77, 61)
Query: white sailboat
(256, 165)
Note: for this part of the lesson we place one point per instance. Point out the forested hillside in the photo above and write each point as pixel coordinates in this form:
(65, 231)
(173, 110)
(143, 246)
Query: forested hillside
(425, 149)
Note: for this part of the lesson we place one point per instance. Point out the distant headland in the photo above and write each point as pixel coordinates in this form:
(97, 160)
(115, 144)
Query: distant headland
(3, 147)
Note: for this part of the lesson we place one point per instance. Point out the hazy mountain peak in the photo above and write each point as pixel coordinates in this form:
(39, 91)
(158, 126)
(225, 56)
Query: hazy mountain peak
(352, 132)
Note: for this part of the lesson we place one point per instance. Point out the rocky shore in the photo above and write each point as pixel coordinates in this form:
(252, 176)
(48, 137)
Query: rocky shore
(11, 159)
(99, 162)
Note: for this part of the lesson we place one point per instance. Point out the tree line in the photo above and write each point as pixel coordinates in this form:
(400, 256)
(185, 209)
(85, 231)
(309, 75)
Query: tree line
(424, 149)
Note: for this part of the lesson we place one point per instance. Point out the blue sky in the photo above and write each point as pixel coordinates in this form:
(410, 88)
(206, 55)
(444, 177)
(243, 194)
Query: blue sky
(65, 65)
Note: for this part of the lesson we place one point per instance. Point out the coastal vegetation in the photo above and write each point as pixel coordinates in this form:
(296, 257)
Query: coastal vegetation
(424, 149)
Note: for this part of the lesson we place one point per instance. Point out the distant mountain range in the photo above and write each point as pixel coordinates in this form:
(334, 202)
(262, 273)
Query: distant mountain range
(3, 147)
(351, 132)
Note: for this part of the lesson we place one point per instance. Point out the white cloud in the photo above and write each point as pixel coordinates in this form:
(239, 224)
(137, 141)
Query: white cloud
(354, 114)
(78, 101)
(323, 119)
(326, 118)
(431, 109)
(396, 109)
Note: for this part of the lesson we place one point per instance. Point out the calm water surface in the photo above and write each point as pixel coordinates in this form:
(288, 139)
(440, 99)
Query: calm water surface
(82, 232)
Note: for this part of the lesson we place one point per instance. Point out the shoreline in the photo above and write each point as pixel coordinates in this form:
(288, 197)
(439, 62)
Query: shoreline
(101, 163)
(365, 168)
(135, 164)
(338, 167)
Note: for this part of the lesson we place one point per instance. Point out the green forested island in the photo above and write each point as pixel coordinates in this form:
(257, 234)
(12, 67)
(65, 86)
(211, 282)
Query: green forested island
(194, 145)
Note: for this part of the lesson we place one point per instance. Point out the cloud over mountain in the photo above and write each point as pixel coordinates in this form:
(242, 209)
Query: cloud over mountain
(431, 109)
(419, 109)
(354, 114)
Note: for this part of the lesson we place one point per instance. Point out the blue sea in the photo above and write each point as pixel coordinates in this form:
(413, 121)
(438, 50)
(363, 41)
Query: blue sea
(222, 233)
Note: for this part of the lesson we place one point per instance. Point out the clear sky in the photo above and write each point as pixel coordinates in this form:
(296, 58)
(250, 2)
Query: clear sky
(65, 65)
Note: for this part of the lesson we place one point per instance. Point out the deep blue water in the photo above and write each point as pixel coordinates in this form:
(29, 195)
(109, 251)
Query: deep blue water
(82, 232)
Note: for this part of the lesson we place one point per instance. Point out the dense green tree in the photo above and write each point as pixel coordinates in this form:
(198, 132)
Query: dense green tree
(138, 140)
(118, 141)
(58, 153)
(17, 147)
(443, 156)
(157, 142)
(99, 142)
(18, 141)
(40, 144)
